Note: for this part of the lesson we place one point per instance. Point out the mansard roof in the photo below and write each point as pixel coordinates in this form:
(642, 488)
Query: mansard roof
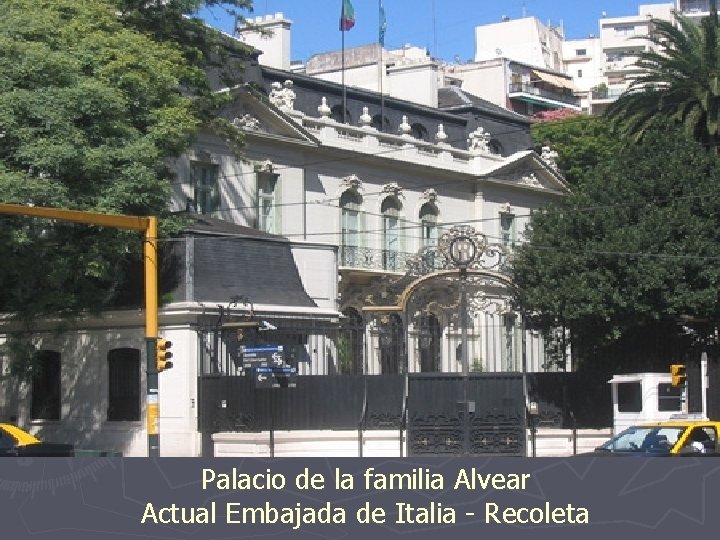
(453, 98)
(511, 131)
(221, 260)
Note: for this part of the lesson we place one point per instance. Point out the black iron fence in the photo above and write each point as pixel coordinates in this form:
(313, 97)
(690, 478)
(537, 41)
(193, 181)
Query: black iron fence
(564, 400)
(317, 402)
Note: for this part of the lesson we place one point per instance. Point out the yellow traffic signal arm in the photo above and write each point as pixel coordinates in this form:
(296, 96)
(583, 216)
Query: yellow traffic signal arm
(147, 224)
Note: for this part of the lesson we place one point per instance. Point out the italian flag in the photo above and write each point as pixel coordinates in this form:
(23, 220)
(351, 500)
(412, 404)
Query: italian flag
(347, 16)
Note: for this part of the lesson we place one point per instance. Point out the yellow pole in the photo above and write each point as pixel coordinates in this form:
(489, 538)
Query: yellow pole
(151, 278)
(148, 224)
(151, 334)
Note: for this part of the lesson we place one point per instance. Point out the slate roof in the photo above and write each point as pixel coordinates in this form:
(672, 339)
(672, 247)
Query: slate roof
(222, 260)
(453, 97)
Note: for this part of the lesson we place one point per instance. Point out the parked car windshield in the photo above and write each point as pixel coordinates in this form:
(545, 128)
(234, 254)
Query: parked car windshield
(655, 439)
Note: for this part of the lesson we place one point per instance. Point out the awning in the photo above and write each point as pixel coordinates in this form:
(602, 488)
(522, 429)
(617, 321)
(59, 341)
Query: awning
(555, 80)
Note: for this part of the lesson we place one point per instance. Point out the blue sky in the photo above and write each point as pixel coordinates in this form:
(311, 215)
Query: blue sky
(446, 35)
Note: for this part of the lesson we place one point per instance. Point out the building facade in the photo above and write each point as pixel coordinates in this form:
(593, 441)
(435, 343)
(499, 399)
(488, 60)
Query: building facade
(322, 239)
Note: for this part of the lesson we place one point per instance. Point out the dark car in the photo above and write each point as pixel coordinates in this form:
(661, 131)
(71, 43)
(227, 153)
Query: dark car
(15, 442)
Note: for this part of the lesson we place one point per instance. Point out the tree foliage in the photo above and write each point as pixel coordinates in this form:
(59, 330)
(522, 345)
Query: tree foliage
(93, 100)
(221, 60)
(582, 143)
(680, 81)
(636, 244)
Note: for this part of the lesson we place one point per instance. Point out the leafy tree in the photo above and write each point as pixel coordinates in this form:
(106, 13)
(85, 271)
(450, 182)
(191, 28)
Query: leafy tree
(680, 82)
(221, 59)
(93, 100)
(582, 143)
(633, 249)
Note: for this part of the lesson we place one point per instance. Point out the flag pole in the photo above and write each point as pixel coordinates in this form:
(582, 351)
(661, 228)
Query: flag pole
(381, 40)
(342, 68)
(382, 96)
(347, 21)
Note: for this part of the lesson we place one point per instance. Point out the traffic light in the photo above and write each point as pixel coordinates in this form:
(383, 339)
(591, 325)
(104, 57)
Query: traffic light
(163, 355)
(679, 374)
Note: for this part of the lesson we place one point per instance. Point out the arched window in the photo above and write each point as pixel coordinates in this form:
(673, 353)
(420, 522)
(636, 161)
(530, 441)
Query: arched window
(350, 343)
(419, 131)
(392, 342)
(350, 227)
(429, 335)
(337, 115)
(390, 210)
(45, 397)
(123, 385)
(428, 225)
(383, 125)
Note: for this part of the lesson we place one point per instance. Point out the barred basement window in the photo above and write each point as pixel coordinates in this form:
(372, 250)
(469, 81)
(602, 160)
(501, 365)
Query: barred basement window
(123, 385)
(45, 386)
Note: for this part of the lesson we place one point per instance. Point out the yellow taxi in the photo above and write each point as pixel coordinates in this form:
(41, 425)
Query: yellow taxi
(17, 442)
(680, 437)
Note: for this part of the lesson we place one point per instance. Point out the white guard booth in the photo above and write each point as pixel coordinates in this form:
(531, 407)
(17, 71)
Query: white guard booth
(644, 397)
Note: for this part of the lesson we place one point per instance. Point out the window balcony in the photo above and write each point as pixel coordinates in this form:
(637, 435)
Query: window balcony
(536, 94)
(362, 258)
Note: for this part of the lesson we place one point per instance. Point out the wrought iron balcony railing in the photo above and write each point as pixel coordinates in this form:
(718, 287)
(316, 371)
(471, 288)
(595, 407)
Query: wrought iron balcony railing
(374, 259)
(427, 260)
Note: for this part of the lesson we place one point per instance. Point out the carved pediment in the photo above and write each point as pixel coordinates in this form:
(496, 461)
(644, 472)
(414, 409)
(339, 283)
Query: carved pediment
(528, 169)
(247, 113)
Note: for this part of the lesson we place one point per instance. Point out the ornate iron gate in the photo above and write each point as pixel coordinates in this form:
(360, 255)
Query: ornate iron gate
(493, 421)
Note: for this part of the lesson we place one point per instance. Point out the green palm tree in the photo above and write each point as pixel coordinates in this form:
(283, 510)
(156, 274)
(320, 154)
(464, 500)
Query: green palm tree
(680, 81)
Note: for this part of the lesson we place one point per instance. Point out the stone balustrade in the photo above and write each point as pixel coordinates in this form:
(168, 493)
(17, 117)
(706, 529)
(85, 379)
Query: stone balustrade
(401, 146)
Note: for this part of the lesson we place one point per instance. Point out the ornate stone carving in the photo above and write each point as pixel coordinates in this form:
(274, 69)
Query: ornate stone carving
(246, 121)
(441, 136)
(479, 140)
(404, 127)
(282, 95)
(351, 182)
(530, 180)
(365, 118)
(392, 189)
(429, 195)
(549, 156)
(323, 109)
(264, 167)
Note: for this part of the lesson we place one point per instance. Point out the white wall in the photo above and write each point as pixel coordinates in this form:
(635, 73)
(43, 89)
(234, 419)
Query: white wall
(84, 391)
(382, 443)
(416, 82)
(317, 266)
(272, 37)
(487, 79)
(526, 40)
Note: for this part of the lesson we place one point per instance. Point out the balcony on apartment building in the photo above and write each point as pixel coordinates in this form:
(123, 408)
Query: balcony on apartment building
(545, 89)
(694, 8)
(606, 94)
